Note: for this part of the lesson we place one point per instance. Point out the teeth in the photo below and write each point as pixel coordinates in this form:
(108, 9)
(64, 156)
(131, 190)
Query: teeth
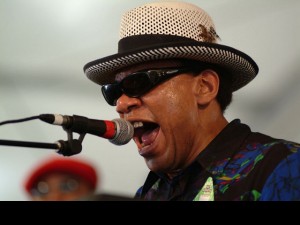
(138, 124)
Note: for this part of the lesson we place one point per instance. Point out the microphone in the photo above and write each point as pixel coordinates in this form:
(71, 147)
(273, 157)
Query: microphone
(118, 131)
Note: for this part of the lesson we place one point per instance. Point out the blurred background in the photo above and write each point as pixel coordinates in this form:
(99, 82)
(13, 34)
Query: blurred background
(44, 45)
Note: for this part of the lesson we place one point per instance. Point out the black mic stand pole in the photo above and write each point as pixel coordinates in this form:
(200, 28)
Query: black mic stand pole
(66, 148)
(29, 144)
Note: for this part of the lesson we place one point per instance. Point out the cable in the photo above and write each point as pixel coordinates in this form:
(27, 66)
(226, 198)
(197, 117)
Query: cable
(19, 120)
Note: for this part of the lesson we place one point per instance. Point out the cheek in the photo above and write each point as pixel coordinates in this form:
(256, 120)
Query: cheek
(178, 99)
(172, 101)
(174, 108)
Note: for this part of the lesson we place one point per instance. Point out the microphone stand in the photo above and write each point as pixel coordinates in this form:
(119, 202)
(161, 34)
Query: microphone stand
(29, 144)
(66, 148)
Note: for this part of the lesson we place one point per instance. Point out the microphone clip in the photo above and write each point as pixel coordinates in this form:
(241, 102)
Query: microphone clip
(71, 146)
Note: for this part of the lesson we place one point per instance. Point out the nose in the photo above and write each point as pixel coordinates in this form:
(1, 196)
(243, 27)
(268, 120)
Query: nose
(56, 196)
(125, 104)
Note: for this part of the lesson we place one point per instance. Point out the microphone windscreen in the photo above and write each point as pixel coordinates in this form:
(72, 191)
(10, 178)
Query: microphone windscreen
(124, 132)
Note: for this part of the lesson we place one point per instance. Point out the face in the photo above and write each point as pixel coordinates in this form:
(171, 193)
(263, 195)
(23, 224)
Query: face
(165, 119)
(60, 187)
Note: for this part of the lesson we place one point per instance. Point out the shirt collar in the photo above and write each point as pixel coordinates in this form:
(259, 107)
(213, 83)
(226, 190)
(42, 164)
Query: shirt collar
(224, 144)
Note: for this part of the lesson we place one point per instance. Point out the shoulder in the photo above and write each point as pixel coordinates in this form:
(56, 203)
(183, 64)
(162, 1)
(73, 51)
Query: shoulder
(283, 183)
(270, 149)
(251, 171)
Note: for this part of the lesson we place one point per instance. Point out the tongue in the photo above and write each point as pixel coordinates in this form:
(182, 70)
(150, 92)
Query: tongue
(149, 136)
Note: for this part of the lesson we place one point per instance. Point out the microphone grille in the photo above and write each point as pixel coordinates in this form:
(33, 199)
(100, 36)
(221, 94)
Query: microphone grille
(124, 132)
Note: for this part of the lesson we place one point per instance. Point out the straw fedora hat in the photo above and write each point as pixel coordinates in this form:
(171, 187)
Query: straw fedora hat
(168, 30)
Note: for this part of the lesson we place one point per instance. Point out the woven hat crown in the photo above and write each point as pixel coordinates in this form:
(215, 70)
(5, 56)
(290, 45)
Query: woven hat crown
(169, 18)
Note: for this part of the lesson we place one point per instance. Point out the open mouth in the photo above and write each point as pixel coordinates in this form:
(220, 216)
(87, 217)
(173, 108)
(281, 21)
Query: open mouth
(145, 133)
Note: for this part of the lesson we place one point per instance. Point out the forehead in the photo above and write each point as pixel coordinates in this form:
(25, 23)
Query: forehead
(148, 65)
(57, 175)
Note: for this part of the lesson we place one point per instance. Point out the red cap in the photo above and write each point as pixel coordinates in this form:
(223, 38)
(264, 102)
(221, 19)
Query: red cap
(67, 165)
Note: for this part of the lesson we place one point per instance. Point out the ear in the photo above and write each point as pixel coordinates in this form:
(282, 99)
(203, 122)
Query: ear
(206, 87)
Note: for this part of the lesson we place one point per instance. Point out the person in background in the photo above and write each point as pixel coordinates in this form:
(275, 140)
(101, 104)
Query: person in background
(61, 179)
(173, 81)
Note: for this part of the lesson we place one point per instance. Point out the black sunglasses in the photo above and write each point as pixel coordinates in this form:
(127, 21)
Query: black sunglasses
(138, 83)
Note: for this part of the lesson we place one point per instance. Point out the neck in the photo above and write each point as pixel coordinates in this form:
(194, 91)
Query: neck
(209, 126)
(174, 173)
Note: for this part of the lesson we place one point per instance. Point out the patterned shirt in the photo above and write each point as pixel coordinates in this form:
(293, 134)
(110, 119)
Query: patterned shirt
(244, 166)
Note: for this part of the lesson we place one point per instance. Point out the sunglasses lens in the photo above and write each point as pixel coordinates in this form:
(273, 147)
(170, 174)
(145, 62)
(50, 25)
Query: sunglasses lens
(136, 85)
(111, 93)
